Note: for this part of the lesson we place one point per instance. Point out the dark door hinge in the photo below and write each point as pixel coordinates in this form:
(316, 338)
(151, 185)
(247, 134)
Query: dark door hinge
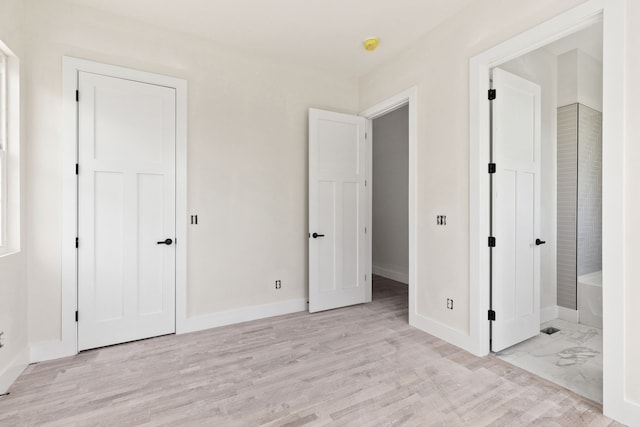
(77, 168)
(76, 315)
(76, 243)
(492, 242)
(492, 94)
(492, 168)
(77, 95)
(492, 315)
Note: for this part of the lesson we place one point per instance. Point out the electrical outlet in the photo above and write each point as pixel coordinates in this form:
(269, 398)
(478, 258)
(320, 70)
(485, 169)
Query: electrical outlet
(1, 339)
(449, 303)
(441, 220)
(278, 284)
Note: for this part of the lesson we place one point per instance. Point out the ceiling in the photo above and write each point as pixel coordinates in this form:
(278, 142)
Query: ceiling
(588, 40)
(324, 34)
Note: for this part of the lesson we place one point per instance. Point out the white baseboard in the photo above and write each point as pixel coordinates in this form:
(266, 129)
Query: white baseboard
(568, 314)
(444, 332)
(548, 313)
(245, 314)
(13, 371)
(390, 274)
(51, 350)
(626, 412)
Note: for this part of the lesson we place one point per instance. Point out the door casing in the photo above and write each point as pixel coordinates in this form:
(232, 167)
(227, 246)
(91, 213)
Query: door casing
(408, 97)
(68, 344)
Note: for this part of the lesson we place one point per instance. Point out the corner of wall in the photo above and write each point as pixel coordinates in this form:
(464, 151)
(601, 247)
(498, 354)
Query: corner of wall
(14, 369)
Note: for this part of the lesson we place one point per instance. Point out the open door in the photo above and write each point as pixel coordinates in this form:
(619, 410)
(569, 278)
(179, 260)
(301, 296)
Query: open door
(515, 210)
(338, 244)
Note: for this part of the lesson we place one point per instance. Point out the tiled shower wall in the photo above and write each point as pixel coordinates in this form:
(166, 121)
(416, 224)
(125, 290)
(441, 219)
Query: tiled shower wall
(567, 203)
(579, 198)
(589, 190)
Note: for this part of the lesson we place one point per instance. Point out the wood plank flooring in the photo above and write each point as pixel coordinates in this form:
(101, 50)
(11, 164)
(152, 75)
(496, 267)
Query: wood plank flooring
(361, 366)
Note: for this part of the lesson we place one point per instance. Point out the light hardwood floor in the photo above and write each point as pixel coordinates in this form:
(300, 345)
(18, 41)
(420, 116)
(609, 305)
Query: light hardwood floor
(361, 366)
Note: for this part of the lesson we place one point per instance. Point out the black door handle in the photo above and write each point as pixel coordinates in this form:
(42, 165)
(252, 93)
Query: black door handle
(167, 242)
(316, 235)
(540, 242)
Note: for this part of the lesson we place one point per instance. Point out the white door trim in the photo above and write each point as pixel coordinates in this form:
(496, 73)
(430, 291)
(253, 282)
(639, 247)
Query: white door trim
(613, 13)
(408, 97)
(68, 344)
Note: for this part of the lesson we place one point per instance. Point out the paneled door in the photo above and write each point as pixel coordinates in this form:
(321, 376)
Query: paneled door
(337, 210)
(516, 210)
(126, 210)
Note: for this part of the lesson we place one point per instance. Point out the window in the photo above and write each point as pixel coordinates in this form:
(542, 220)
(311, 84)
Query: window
(3, 149)
(9, 151)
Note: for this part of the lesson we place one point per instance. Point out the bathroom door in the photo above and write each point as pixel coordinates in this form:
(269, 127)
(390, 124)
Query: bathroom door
(515, 210)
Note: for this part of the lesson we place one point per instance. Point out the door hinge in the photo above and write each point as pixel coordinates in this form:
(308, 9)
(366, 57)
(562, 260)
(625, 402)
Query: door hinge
(492, 94)
(492, 242)
(365, 277)
(76, 315)
(77, 95)
(492, 168)
(365, 230)
(77, 168)
(365, 182)
(76, 243)
(492, 315)
(366, 135)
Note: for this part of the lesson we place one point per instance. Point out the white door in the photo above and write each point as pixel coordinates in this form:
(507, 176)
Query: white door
(516, 210)
(126, 206)
(338, 248)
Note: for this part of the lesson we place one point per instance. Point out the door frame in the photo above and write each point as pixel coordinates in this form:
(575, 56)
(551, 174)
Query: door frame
(613, 15)
(408, 97)
(68, 344)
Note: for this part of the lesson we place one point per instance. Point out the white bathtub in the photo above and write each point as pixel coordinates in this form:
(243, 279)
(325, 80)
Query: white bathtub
(590, 299)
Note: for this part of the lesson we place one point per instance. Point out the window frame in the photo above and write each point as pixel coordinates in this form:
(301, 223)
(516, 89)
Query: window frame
(10, 168)
(4, 136)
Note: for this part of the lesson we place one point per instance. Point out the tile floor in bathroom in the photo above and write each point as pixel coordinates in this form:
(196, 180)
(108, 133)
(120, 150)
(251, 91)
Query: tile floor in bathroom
(571, 357)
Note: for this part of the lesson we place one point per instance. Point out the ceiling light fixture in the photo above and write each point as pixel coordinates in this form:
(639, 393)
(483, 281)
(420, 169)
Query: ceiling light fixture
(371, 44)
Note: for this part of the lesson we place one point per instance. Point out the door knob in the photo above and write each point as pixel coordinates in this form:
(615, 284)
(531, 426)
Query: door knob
(166, 242)
(316, 235)
(540, 242)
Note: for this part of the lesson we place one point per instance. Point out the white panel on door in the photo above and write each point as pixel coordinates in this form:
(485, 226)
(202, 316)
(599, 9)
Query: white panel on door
(516, 210)
(337, 210)
(151, 256)
(126, 205)
(134, 124)
(327, 245)
(109, 239)
(351, 232)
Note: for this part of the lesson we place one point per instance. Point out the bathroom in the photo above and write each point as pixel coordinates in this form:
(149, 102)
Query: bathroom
(569, 73)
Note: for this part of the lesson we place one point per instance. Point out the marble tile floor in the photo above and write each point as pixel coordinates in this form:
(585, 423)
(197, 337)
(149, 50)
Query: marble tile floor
(571, 358)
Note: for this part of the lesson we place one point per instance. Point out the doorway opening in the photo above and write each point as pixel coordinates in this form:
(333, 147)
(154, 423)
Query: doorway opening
(394, 116)
(390, 204)
(568, 244)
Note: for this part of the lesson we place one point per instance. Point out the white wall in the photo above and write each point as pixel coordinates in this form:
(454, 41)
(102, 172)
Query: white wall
(13, 287)
(579, 80)
(391, 195)
(540, 67)
(247, 157)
